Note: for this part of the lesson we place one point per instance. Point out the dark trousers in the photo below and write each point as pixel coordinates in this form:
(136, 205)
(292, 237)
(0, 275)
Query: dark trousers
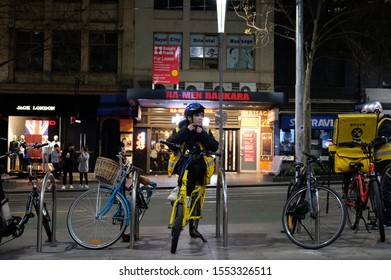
(85, 174)
(195, 175)
(64, 178)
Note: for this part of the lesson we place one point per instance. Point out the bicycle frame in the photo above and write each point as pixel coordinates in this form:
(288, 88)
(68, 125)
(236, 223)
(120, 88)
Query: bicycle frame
(199, 194)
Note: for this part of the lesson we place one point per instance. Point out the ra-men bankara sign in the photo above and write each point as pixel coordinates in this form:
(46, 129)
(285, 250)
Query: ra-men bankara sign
(199, 95)
(207, 95)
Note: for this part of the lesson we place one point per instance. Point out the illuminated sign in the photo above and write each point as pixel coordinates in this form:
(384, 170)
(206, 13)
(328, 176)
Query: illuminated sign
(207, 95)
(140, 143)
(35, 108)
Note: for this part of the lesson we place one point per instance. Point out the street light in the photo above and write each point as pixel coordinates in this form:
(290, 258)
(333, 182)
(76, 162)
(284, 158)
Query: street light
(221, 9)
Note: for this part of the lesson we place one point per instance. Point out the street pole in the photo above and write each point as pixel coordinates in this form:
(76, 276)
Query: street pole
(299, 88)
(221, 159)
(221, 9)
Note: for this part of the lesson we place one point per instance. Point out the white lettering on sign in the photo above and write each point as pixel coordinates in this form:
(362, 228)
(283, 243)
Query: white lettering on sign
(35, 108)
(23, 108)
(321, 122)
(316, 122)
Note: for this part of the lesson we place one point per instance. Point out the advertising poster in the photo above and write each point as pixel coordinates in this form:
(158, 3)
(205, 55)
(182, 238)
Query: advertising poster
(165, 68)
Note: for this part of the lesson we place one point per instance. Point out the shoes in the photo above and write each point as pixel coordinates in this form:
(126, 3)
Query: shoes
(71, 187)
(174, 194)
(80, 186)
(86, 187)
(63, 187)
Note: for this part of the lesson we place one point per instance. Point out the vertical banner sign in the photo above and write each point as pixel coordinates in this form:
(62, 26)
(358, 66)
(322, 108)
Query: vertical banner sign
(165, 68)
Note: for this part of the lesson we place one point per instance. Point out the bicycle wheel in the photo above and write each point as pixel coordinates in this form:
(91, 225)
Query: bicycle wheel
(291, 188)
(193, 223)
(319, 229)
(176, 228)
(353, 205)
(375, 210)
(97, 232)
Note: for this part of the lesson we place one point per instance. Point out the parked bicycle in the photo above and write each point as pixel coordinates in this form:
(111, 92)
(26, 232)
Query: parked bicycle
(187, 210)
(14, 225)
(100, 216)
(363, 192)
(314, 215)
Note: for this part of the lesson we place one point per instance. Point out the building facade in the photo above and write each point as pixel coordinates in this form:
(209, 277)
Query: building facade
(87, 68)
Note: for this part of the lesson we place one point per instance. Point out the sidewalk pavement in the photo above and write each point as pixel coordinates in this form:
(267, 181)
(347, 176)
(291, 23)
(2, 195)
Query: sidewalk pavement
(12, 184)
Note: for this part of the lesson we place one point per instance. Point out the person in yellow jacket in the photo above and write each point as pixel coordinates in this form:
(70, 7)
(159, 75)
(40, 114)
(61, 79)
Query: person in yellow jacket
(191, 135)
(382, 151)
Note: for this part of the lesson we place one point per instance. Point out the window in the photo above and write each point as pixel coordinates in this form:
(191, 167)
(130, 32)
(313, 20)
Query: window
(240, 53)
(173, 39)
(168, 5)
(66, 51)
(204, 51)
(103, 51)
(203, 5)
(234, 3)
(29, 50)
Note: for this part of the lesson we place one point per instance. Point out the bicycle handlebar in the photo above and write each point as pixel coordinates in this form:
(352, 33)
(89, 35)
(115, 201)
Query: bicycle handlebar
(35, 146)
(170, 144)
(175, 145)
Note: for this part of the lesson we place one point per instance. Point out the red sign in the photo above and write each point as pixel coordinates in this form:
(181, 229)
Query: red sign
(249, 146)
(165, 69)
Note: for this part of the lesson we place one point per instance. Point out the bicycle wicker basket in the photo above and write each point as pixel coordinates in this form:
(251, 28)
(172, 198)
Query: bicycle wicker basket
(106, 170)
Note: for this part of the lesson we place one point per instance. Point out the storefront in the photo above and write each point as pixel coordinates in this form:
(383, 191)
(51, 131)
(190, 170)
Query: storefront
(248, 129)
(321, 134)
(57, 119)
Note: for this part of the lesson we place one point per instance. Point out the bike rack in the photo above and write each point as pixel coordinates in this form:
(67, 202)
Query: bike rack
(222, 183)
(48, 176)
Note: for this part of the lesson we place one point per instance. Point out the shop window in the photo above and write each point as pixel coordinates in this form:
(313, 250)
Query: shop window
(287, 142)
(204, 51)
(240, 52)
(29, 50)
(103, 51)
(66, 51)
(203, 5)
(168, 5)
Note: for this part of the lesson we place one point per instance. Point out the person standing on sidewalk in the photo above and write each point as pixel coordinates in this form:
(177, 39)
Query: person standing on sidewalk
(69, 159)
(83, 167)
(55, 157)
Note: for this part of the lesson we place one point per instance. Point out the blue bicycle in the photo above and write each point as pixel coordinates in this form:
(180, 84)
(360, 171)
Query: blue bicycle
(99, 217)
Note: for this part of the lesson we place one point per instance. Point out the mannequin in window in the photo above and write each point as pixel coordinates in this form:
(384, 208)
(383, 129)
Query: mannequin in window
(45, 152)
(14, 149)
(23, 156)
(56, 141)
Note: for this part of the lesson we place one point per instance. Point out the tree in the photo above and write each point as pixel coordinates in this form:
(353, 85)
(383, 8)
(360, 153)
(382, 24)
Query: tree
(360, 27)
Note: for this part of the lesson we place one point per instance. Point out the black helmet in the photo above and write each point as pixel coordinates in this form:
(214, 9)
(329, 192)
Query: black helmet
(193, 108)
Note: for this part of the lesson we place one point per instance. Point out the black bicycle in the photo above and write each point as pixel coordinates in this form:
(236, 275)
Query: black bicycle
(14, 225)
(314, 215)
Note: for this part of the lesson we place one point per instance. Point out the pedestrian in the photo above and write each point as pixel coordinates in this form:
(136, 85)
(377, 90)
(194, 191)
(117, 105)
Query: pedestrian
(382, 152)
(69, 159)
(191, 134)
(55, 157)
(154, 157)
(83, 167)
